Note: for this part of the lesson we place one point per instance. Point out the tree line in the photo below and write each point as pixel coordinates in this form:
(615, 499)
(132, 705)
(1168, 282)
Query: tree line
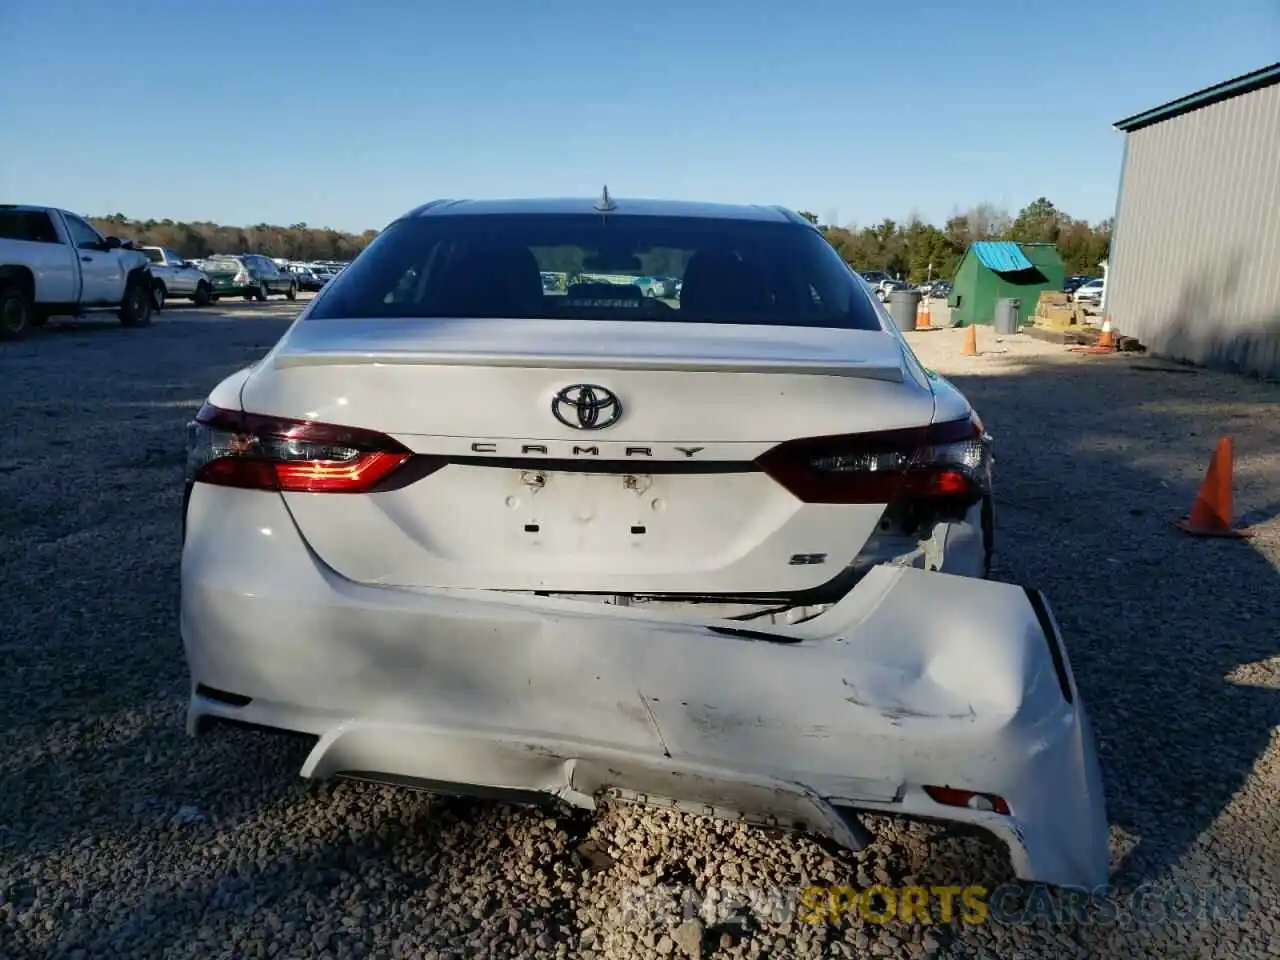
(201, 239)
(914, 250)
(918, 251)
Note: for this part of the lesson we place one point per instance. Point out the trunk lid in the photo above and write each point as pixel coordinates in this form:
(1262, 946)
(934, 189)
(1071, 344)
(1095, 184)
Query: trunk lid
(667, 500)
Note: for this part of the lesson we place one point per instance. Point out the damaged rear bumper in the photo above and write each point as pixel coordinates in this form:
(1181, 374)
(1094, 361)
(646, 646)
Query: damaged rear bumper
(913, 680)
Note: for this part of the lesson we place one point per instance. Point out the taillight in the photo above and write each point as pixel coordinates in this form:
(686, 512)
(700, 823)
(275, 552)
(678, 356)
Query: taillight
(955, 797)
(242, 278)
(253, 452)
(950, 460)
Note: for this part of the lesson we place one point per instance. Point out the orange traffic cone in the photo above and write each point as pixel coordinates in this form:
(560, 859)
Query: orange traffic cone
(1107, 338)
(1211, 513)
(971, 342)
(923, 320)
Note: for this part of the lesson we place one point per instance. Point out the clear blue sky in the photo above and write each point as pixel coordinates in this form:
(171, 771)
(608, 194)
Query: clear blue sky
(347, 112)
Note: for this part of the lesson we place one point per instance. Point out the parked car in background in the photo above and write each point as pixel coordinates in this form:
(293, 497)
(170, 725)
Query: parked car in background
(53, 262)
(882, 284)
(1073, 283)
(939, 290)
(328, 268)
(172, 276)
(664, 288)
(1088, 294)
(891, 286)
(307, 278)
(249, 275)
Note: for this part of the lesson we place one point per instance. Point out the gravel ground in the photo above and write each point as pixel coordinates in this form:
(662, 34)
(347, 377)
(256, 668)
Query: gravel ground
(120, 837)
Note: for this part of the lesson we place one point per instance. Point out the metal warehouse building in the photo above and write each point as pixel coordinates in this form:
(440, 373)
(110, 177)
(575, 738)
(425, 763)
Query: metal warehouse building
(1194, 268)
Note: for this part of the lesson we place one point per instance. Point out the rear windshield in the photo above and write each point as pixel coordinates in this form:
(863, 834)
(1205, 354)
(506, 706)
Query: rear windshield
(32, 226)
(591, 267)
(221, 266)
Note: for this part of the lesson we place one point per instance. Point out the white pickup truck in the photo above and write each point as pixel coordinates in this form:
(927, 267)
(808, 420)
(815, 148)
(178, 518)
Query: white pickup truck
(172, 276)
(54, 263)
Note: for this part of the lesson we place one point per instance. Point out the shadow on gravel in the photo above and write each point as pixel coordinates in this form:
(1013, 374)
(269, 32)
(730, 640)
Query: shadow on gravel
(1156, 621)
(62, 326)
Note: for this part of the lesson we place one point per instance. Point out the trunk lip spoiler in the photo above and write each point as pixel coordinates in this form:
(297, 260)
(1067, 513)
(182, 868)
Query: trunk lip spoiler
(878, 369)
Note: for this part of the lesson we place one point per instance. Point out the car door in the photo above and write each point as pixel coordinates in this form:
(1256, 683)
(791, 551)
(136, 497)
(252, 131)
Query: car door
(41, 247)
(279, 278)
(270, 273)
(101, 271)
(181, 281)
(261, 268)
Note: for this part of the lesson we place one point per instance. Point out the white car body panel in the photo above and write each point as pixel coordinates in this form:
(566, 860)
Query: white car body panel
(606, 345)
(64, 275)
(913, 679)
(431, 399)
(55, 267)
(474, 526)
(445, 531)
(227, 393)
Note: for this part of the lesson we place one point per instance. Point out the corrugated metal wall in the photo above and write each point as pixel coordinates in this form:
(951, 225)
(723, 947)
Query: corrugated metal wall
(1195, 264)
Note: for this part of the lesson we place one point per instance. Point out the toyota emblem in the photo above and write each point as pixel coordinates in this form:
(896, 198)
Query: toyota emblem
(586, 406)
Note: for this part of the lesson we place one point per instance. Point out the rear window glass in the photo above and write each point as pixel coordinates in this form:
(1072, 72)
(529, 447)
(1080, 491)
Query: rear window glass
(590, 267)
(32, 226)
(221, 266)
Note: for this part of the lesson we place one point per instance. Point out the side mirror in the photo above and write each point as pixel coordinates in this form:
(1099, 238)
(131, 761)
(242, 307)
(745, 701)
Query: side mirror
(111, 243)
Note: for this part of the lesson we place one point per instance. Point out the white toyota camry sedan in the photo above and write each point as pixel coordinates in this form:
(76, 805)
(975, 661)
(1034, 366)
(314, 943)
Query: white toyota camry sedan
(480, 533)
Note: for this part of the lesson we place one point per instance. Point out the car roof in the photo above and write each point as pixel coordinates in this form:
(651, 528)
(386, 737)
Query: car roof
(633, 207)
(35, 207)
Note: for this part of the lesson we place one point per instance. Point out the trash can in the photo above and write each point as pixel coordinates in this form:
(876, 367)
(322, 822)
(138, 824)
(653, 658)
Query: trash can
(1008, 316)
(903, 305)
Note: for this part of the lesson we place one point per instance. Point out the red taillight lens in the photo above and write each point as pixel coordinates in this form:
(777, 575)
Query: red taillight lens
(950, 460)
(242, 278)
(954, 797)
(254, 452)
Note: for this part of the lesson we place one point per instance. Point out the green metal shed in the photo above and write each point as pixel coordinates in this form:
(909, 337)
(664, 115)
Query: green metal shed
(992, 270)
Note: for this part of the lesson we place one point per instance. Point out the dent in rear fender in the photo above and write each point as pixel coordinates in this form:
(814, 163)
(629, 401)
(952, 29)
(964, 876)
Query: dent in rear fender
(937, 658)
